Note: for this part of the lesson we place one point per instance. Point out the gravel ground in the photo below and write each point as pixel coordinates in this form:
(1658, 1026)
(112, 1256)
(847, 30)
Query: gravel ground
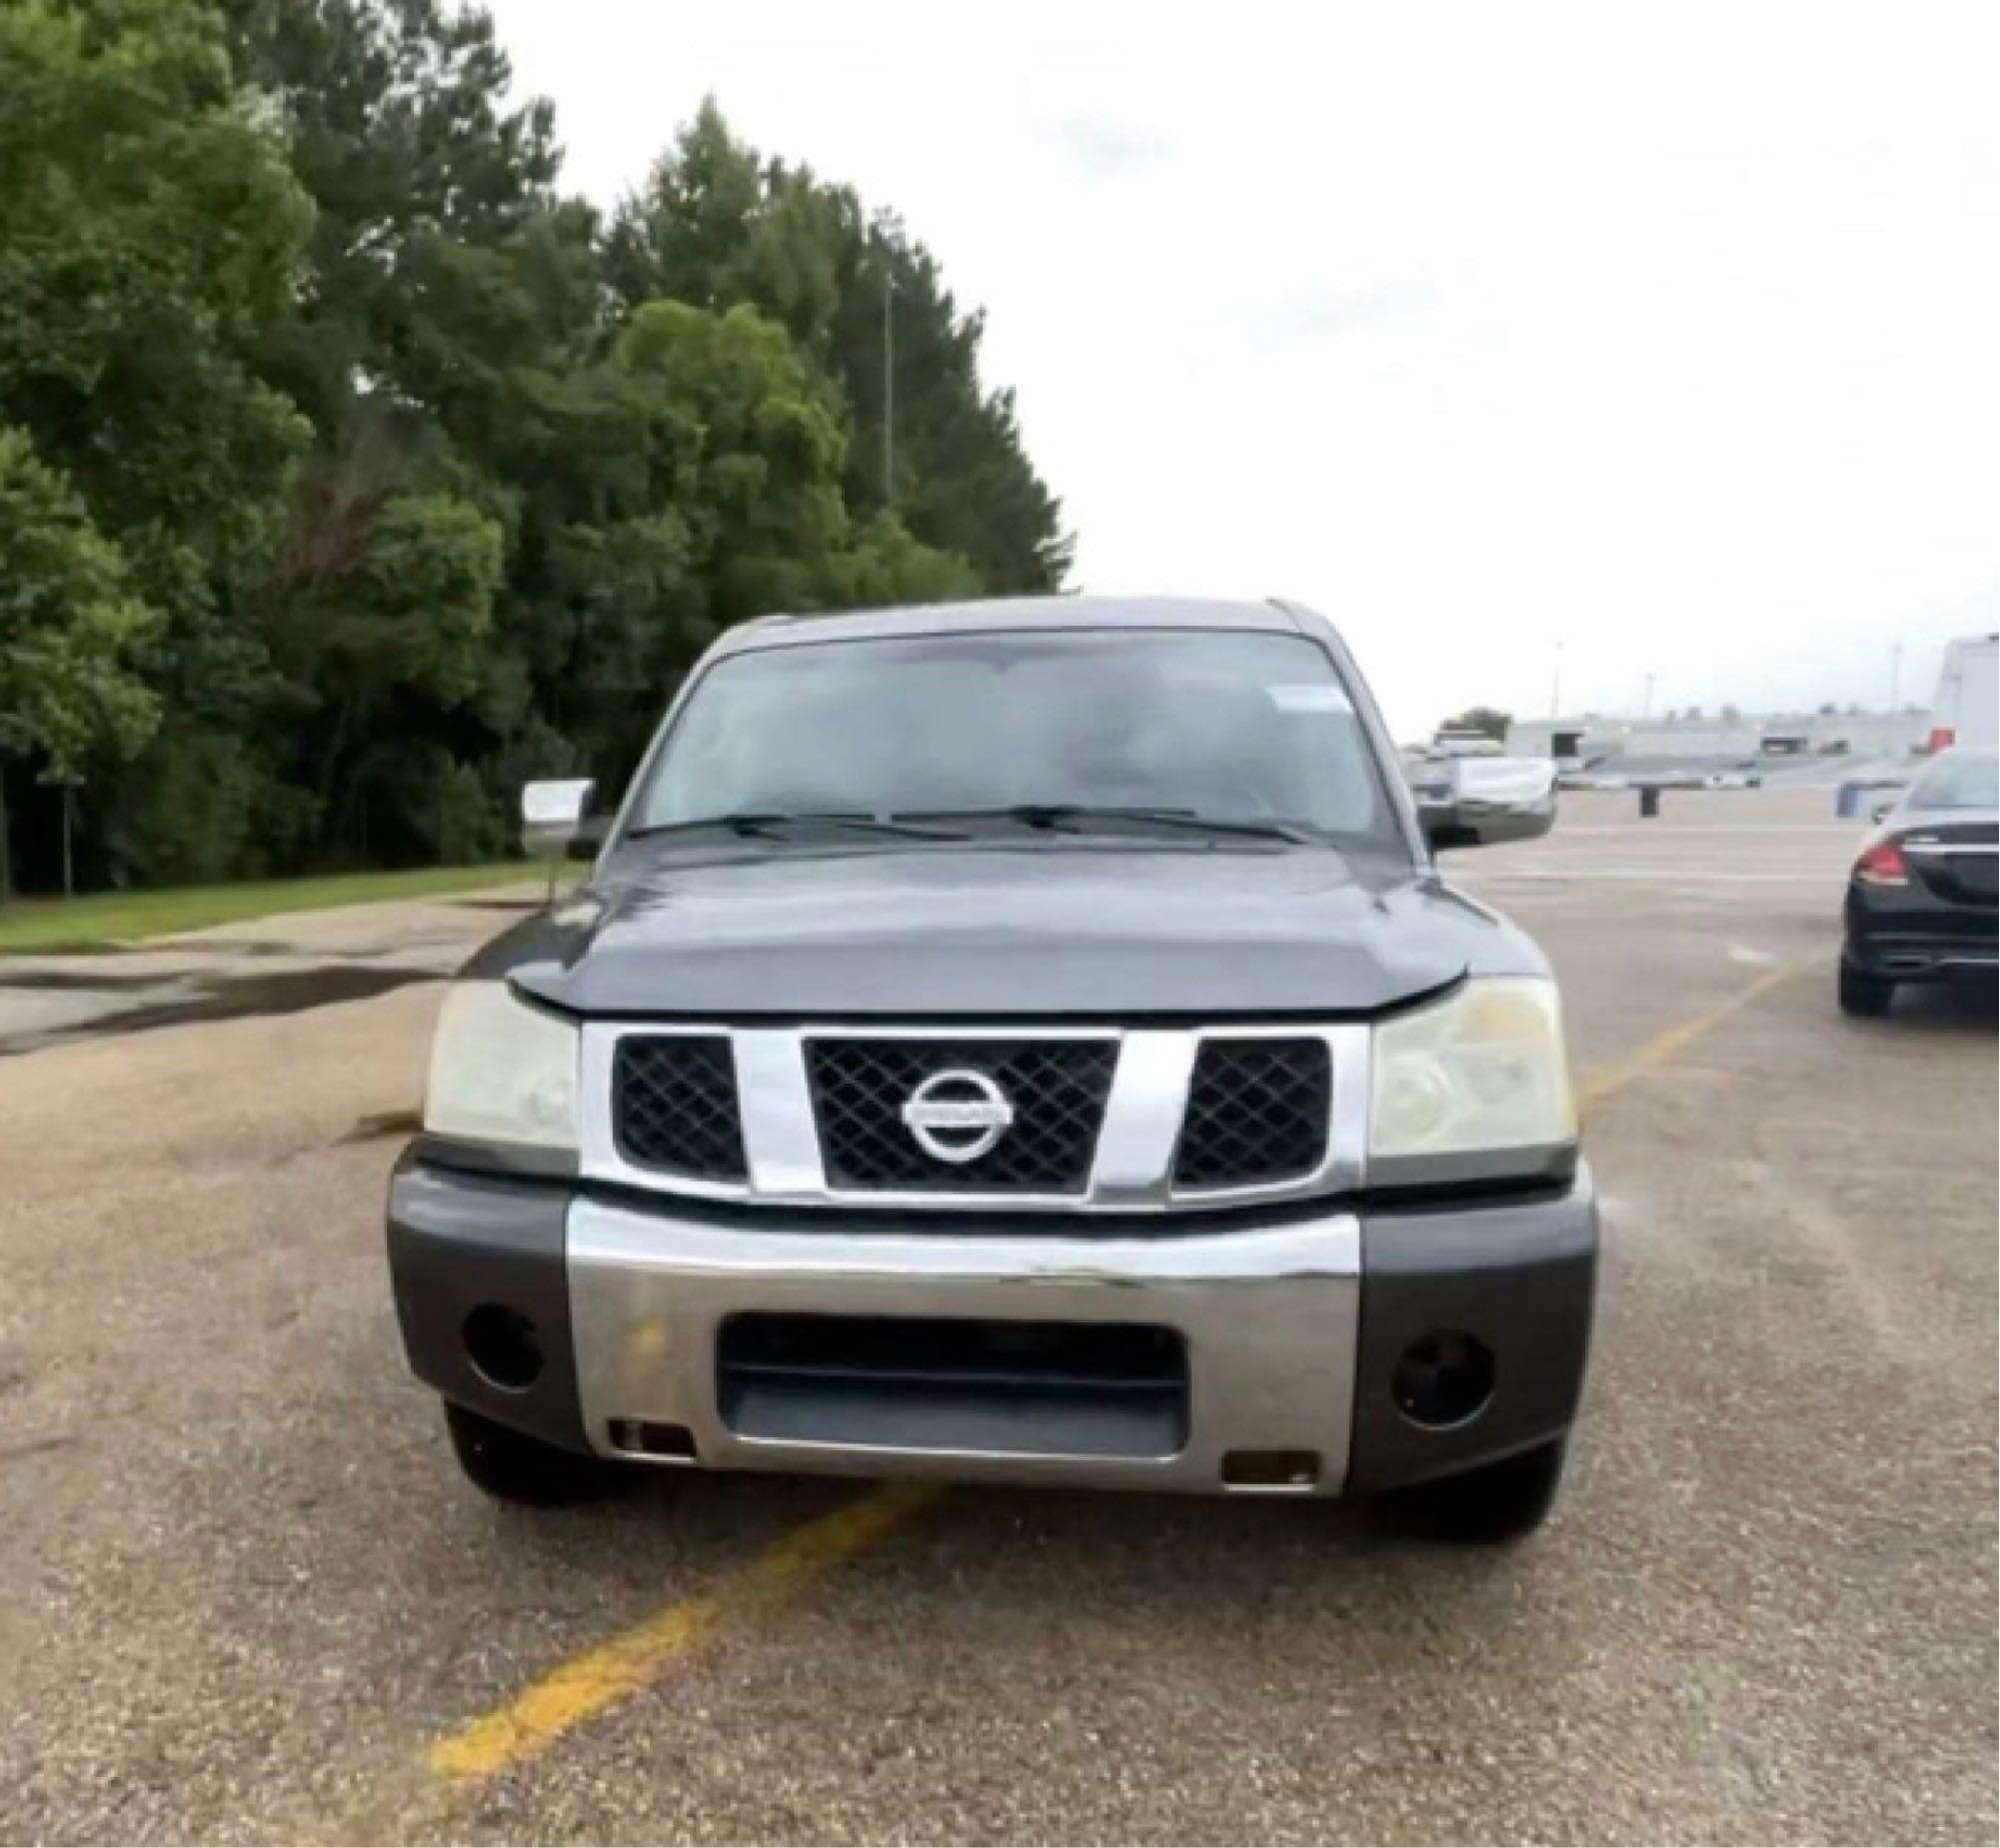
(242, 1586)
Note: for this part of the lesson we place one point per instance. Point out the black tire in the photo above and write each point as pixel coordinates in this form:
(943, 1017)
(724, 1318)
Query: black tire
(1864, 996)
(511, 1467)
(1501, 1502)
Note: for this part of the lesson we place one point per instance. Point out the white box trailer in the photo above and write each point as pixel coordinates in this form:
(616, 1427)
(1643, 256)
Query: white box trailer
(1967, 708)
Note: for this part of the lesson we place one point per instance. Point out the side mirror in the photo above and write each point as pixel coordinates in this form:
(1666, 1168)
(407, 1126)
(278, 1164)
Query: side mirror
(552, 816)
(1483, 801)
(1880, 812)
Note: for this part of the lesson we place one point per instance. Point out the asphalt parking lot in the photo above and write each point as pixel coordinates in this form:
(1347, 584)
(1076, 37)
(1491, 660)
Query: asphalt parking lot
(243, 1594)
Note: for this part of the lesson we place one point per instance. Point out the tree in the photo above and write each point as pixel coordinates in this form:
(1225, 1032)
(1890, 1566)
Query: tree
(70, 629)
(755, 447)
(963, 482)
(395, 116)
(885, 563)
(149, 231)
(402, 619)
(720, 500)
(1483, 719)
(424, 480)
(717, 224)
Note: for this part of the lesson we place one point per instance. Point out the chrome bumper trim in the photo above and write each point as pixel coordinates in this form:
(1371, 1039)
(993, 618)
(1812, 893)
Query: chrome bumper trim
(1270, 1317)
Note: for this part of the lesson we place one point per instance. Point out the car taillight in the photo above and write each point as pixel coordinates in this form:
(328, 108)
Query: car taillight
(1942, 737)
(1882, 864)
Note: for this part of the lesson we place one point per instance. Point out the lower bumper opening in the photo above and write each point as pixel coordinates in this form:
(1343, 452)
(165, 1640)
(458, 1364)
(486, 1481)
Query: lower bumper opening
(1271, 1472)
(662, 1444)
(975, 1386)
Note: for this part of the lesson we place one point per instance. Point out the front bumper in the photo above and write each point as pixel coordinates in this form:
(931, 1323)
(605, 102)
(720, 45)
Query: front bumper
(1297, 1328)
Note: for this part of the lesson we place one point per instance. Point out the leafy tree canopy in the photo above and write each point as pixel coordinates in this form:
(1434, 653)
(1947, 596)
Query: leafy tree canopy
(1483, 719)
(361, 473)
(70, 627)
(717, 224)
(149, 235)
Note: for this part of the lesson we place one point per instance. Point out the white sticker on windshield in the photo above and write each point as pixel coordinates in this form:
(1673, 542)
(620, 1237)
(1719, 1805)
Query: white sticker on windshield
(1316, 697)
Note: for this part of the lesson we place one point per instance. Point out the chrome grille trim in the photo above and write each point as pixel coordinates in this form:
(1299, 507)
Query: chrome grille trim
(1133, 1165)
(1142, 1119)
(773, 1094)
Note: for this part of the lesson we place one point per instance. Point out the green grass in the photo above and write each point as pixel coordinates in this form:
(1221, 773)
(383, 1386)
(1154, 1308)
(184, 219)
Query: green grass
(105, 921)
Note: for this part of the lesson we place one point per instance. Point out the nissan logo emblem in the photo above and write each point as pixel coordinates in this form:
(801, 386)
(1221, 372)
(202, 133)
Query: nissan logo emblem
(958, 1116)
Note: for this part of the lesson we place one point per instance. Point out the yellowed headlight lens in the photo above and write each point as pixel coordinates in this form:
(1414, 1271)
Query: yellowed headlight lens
(1484, 1068)
(501, 1071)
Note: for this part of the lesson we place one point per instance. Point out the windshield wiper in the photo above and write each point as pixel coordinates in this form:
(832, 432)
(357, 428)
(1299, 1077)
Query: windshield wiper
(763, 825)
(1063, 818)
(885, 824)
(742, 822)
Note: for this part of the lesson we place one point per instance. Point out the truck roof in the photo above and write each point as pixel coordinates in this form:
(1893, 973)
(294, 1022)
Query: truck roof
(1013, 613)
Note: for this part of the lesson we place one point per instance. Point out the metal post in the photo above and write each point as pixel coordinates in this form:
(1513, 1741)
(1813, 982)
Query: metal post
(1556, 687)
(69, 881)
(1895, 674)
(6, 845)
(887, 390)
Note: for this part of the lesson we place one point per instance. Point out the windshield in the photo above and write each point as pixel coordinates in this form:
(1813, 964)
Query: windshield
(1226, 725)
(1971, 781)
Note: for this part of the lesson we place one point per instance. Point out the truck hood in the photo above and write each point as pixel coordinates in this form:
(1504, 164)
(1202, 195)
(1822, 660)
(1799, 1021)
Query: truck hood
(1038, 929)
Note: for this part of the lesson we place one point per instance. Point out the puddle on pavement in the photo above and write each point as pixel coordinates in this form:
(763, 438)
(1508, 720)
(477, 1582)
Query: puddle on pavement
(215, 997)
(221, 947)
(52, 981)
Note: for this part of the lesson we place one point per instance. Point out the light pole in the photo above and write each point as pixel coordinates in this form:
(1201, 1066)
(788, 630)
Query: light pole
(1895, 674)
(1646, 711)
(1555, 686)
(888, 389)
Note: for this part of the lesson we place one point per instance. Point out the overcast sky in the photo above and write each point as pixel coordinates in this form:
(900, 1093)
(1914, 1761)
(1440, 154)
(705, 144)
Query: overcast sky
(1668, 334)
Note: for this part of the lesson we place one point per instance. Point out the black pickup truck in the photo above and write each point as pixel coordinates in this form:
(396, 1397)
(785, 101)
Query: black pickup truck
(1018, 1042)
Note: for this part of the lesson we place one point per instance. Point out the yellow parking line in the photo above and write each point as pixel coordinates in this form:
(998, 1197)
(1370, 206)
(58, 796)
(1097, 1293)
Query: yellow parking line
(1606, 1082)
(612, 1672)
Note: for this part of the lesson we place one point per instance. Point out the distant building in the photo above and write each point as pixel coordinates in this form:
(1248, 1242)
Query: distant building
(1858, 734)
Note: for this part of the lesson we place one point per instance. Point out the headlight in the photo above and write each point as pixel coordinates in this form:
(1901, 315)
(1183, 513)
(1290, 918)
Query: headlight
(501, 1071)
(1484, 1070)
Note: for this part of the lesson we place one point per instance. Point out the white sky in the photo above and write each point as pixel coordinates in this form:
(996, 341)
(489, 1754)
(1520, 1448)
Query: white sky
(1669, 333)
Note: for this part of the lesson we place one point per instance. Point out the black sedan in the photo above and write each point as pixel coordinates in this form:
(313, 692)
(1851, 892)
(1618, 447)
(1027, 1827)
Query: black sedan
(1921, 897)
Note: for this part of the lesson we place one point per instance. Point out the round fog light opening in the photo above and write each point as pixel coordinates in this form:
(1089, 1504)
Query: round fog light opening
(1444, 1379)
(502, 1346)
